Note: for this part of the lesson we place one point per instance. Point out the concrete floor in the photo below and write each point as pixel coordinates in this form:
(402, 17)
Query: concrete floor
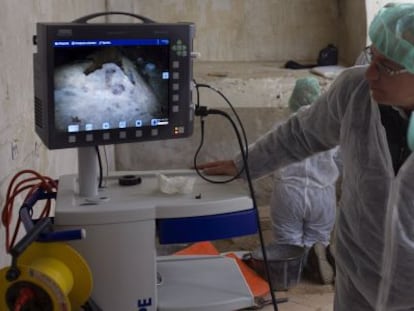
(305, 296)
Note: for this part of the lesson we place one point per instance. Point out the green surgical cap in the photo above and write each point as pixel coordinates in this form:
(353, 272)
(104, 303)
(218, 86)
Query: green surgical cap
(305, 92)
(392, 33)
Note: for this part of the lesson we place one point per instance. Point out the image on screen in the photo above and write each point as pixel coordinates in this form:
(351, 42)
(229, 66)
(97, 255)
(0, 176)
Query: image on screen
(110, 84)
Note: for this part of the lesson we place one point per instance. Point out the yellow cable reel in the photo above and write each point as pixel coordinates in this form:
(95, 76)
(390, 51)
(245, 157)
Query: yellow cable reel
(53, 277)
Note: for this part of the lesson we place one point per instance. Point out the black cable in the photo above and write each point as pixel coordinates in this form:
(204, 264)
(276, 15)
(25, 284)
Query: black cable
(253, 197)
(84, 19)
(196, 155)
(200, 85)
(91, 305)
(202, 111)
(98, 154)
(106, 164)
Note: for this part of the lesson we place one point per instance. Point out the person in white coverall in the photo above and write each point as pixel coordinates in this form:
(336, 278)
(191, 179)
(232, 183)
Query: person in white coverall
(366, 112)
(303, 200)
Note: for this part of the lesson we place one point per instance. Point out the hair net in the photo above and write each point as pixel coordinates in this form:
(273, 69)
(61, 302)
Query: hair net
(305, 92)
(392, 33)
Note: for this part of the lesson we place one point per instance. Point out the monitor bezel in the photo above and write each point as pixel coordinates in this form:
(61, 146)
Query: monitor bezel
(180, 106)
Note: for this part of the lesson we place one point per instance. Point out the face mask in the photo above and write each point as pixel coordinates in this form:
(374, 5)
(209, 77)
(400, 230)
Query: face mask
(410, 133)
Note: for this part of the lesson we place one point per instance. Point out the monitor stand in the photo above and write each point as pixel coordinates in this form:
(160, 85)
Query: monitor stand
(88, 174)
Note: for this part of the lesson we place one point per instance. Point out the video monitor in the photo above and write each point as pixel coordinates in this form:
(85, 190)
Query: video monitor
(97, 84)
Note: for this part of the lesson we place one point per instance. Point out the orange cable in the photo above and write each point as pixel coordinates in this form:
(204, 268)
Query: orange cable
(17, 187)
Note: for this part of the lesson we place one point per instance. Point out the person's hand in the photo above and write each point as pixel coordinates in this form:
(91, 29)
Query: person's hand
(219, 168)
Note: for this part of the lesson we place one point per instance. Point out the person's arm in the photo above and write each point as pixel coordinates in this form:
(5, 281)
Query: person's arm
(226, 167)
(293, 141)
(307, 132)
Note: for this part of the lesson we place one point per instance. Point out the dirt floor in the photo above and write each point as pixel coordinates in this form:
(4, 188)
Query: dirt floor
(307, 295)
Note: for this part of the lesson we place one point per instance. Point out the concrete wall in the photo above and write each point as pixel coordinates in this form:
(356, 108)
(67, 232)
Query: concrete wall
(352, 35)
(271, 30)
(17, 24)
(254, 30)
(227, 30)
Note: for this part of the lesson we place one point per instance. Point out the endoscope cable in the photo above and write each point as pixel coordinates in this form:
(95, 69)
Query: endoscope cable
(202, 112)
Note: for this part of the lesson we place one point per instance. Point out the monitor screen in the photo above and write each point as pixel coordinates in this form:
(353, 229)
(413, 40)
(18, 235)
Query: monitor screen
(112, 83)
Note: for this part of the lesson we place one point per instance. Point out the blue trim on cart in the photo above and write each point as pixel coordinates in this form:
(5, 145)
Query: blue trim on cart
(207, 228)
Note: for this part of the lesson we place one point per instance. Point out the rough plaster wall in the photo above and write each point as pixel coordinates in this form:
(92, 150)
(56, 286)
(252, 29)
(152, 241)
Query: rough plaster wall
(249, 84)
(17, 21)
(271, 30)
(352, 30)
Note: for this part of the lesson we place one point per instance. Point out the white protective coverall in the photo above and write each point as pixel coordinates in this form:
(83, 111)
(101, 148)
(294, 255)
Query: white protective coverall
(303, 201)
(375, 228)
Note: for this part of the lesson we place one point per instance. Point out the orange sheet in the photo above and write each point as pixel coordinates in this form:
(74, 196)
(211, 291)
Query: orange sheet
(258, 286)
